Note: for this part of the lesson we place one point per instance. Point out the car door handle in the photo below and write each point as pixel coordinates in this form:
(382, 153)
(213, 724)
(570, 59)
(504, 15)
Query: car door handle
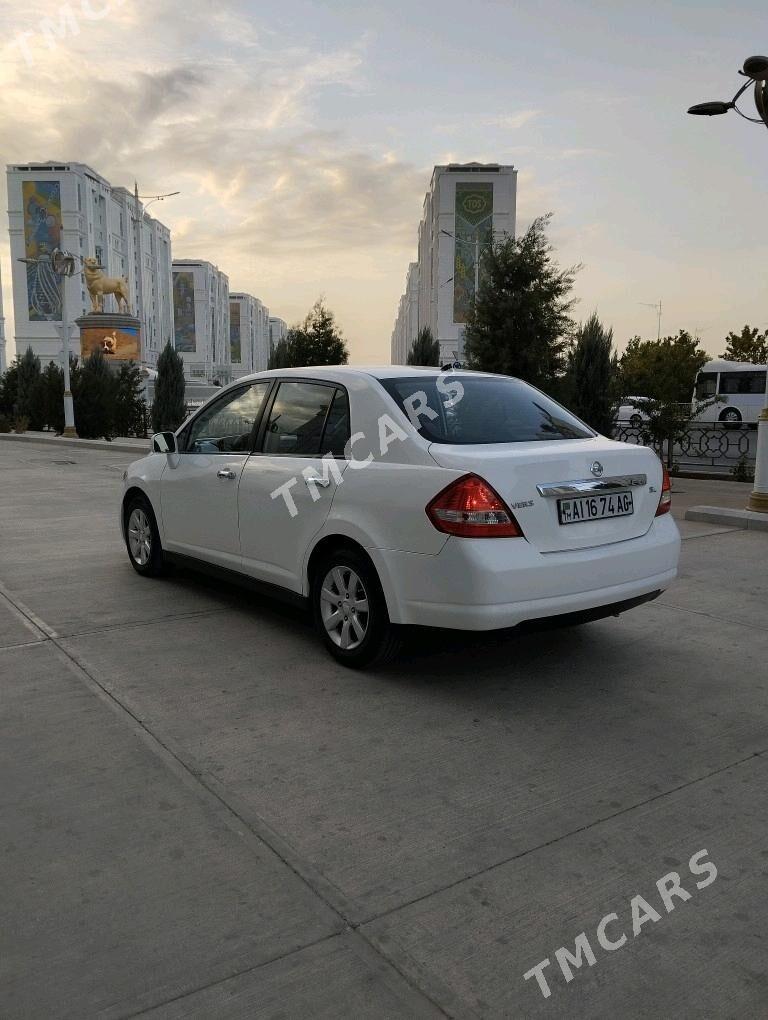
(322, 482)
(226, 473)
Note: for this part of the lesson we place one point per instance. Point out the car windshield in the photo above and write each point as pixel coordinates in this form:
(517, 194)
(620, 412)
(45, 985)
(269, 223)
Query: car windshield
(469, 410)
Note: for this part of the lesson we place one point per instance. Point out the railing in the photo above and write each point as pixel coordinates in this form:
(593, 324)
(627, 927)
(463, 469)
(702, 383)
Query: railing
(714, 446)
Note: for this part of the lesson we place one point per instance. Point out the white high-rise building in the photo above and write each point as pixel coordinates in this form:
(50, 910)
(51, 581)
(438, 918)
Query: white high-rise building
(70, 206)
(278, 330)
(201, 320)
(467, 206)
(249, 334)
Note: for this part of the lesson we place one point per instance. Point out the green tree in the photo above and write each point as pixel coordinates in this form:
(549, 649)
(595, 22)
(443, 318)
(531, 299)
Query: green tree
(281, 356)
(520, 323)
(425, 350)
(317, 341)
(93, 393)
(169, 407)
(28, 374)
(750, 345)
(591, 381)
(9, 388)
(130, 412)
(48, 397)
(662, 369)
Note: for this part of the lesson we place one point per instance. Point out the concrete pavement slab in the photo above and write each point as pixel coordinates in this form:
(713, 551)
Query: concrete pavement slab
(727, 580)
(14, 629)
(328, 981)
(120, 886)
(471, 944)
(392, 784)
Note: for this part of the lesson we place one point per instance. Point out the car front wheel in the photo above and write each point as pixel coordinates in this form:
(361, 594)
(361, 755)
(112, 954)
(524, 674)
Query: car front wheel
(142, 538)
(350, 611)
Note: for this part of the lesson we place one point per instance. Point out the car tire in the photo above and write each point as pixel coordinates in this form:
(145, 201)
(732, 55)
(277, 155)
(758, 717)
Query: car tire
(343, 582)
(142, 538)
(731, 418)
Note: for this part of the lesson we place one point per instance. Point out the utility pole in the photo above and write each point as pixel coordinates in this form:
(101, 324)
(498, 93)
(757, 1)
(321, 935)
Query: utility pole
(140, 262)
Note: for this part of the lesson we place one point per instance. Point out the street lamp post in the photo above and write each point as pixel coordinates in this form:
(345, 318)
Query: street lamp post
(138, 220)
(62, 263)
(755, 70)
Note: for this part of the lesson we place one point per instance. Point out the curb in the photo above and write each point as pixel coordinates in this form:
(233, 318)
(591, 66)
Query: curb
(748, 520)
(89, 444)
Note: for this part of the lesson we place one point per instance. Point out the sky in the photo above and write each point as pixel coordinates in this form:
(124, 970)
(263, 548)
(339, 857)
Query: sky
(302, 137)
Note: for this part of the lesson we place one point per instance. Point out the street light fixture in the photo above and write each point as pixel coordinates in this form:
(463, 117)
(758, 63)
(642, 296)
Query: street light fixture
(62, 263)
(755, 70)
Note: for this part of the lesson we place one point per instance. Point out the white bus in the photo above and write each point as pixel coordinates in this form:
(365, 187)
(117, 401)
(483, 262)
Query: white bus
(740, 387)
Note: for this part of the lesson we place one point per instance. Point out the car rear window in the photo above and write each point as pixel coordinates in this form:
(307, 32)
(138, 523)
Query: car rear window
(482, 409)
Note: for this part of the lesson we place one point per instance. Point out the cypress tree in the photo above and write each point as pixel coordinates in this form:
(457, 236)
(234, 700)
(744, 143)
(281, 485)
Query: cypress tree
(592, 372)
(28, 374)
(169, 407)
(94, 398)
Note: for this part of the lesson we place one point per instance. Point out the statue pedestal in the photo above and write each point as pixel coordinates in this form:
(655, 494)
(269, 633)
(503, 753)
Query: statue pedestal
(116, 334)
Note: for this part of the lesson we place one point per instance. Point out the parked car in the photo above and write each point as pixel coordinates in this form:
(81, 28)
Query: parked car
(391, 496)
(630, 412)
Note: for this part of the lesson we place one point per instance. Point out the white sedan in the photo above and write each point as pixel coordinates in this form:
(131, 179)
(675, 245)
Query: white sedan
(404, 496)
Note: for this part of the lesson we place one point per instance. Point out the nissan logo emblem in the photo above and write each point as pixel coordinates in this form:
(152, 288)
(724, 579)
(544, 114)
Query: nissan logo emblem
(596, 468)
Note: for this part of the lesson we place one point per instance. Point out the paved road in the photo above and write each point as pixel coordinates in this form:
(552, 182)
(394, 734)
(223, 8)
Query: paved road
(201, 815)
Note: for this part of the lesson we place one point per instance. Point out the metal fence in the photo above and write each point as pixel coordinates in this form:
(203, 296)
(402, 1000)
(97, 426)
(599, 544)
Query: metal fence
(706, 447)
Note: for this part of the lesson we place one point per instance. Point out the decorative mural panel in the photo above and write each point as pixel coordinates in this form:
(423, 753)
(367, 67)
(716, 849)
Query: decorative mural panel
(185, 336)
(235, 338)
(473, 230)
(42, 234)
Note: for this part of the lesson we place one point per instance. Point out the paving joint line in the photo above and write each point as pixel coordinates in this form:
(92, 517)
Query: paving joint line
(709, 616)
(566, 835)
(194, 779)
(231, 977)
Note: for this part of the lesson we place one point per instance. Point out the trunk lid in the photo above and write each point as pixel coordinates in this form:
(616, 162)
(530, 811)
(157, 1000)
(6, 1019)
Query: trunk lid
(515, 470)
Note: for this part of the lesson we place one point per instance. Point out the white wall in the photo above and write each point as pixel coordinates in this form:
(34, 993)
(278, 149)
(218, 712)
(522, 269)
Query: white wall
(97, 220)
(211, 358)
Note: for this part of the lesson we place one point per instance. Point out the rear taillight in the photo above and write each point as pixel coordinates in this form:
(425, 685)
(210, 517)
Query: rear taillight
(470, 508)
(665, 502)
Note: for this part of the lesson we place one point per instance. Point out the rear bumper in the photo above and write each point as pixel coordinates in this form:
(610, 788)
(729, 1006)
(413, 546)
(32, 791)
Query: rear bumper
(488, 584)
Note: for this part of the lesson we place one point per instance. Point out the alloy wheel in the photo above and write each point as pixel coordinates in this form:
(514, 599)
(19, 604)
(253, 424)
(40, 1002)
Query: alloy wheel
(344, 607)
(140, 536)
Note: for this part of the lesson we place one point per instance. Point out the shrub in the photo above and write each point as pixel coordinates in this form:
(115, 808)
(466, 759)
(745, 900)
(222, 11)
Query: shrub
(21, 424)
(743, 471)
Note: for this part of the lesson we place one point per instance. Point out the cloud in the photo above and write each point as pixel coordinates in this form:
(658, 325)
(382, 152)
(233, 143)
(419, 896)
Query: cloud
(512, 121)
(276, 202)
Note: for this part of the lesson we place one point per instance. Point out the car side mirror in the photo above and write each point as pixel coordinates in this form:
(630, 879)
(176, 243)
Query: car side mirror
(164, 442)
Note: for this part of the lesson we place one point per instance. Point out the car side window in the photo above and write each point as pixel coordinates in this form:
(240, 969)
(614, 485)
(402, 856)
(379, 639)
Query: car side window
(337, 430)
(297, 419)
(227, 425)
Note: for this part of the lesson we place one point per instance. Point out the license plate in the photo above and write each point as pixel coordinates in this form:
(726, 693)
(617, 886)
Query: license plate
(594, 508)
